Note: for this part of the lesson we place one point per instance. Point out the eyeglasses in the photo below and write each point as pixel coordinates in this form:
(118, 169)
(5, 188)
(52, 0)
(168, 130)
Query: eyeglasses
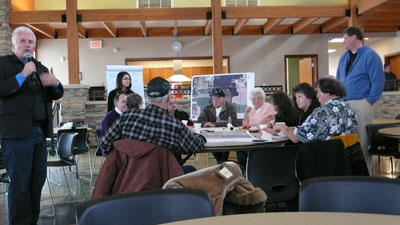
(255, 99)
(126, 79)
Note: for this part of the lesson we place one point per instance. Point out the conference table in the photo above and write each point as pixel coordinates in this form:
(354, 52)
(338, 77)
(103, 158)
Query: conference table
(232, 144)
(296, 218)
(393, 132)
(385, 120)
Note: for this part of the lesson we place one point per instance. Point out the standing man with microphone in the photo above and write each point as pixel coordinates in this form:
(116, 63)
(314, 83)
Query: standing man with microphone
(27, 89)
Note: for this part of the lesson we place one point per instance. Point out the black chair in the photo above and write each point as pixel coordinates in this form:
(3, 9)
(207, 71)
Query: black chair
(3, 175)
(321, 159)
(98, 152)
(81, 143)
(66, 146)
(146, 207)
(357, 194)
(381, 145)
(273, 170)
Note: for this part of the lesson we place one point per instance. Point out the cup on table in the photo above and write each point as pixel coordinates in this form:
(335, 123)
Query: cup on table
(280, 123)
(185, 122)
(197, 127)
(262, 126)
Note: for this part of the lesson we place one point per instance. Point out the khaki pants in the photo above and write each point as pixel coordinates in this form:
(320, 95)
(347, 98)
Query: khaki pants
(365, 115)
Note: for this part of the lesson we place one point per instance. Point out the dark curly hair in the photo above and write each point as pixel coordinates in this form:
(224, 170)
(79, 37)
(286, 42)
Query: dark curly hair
(307, 90)
(331, 85)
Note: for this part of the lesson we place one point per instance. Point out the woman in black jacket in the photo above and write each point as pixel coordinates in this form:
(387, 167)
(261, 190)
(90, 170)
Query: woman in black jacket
(305, 99)
(123, 85)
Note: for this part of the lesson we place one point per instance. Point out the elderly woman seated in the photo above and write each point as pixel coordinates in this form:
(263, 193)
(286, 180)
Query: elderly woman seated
(333, 118)
(261, 113)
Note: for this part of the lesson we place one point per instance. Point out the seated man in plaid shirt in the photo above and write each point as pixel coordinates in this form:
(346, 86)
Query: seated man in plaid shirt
(154, 125)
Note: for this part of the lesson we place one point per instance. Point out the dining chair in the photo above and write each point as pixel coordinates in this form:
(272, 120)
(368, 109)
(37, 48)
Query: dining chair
(273, 170)
(357, 194)
(322, 158)
(146, 207)
(81, 144)
(98, 152)
(4, 179)
(65, 147)
(382, 145)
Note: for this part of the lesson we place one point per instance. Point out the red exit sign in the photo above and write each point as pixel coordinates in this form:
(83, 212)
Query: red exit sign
(96, 44)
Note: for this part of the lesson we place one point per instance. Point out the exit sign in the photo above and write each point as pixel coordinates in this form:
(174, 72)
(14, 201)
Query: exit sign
(96, 44)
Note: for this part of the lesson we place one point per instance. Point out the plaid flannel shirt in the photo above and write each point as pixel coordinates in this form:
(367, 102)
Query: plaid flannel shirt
(154, 125)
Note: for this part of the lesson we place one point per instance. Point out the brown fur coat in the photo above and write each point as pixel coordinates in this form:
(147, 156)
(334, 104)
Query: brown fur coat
(233, 189)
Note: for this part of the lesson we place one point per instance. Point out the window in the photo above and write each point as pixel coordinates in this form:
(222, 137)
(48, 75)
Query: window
(241, 2)
(154, 3)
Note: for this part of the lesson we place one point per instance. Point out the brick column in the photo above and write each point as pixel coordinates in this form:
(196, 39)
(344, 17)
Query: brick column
(5, 29)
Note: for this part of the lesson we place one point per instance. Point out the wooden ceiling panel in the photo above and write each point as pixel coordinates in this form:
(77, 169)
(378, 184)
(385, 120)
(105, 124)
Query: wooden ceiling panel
(378, 15)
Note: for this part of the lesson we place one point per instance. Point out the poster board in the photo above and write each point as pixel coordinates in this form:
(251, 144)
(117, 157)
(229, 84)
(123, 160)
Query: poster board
(236, 86)
(136, 73)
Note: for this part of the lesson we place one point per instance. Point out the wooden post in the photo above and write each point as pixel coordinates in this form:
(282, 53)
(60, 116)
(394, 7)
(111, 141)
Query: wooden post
(72, 42)
(354, 19)
(216, 36)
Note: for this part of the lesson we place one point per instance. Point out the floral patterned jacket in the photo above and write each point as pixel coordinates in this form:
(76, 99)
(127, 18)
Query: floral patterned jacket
(335, 118)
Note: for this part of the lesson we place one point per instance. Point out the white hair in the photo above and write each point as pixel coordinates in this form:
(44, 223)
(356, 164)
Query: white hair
(22, 29)
(257, 90)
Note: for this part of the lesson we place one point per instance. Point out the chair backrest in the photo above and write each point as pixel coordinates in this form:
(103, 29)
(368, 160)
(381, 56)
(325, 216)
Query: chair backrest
(146, 207)
(273, 170)
(379, 141)
(65, 146)
(98, 137)
(360, 194)
(81, 139)
(322, 158)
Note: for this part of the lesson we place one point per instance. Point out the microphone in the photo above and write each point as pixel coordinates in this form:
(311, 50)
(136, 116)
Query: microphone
(29, 58)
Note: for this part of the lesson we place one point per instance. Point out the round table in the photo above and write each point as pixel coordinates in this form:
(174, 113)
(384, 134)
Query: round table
(296, 218)
(393, 132)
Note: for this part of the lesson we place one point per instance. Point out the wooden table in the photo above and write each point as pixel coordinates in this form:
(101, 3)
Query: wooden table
(385, 120)
(393, 132)
(296, 218)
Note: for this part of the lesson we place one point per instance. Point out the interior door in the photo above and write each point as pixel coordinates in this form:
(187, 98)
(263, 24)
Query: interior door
(305, 71)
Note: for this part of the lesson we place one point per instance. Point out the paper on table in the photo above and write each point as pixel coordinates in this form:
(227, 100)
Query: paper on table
(229, 136)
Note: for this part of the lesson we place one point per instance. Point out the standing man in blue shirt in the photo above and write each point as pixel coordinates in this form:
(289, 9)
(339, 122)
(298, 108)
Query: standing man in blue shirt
(360, 70)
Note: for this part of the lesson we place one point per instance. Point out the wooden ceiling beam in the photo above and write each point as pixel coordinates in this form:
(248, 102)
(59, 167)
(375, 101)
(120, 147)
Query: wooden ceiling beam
(366, 5)
(332, 23)
(39, 16)
(81, 31)
(110, 27)
(143, 28)
(239, 25)
(45, 29)
(270, 24)
(302, 23)
(207, 27)
(98, 15)
(253, 12)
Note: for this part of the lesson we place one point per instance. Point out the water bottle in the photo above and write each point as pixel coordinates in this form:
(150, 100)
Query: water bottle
(218, 120)
(229, 124)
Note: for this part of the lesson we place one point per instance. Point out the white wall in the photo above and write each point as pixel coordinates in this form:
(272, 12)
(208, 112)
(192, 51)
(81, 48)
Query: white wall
(263, 55)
